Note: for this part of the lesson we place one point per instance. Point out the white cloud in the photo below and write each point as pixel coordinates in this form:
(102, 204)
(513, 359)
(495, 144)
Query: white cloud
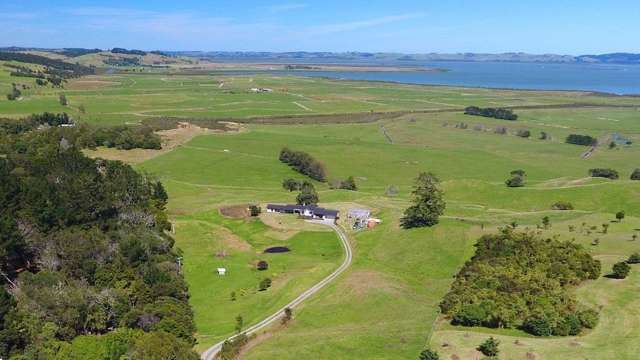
(286, 7)
(362, 24)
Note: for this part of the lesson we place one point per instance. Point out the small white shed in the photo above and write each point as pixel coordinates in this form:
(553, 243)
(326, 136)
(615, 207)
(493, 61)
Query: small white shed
(222, 271)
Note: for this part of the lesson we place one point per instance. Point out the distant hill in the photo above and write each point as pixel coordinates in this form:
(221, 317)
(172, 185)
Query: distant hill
(364, 57)
(116, 57)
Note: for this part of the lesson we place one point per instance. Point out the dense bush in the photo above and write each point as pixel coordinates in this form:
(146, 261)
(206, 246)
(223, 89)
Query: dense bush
(520, 280)
(56, 68)
(84, 242)
(604, 173)
(585, 140)
(498, 113)
(304, 164)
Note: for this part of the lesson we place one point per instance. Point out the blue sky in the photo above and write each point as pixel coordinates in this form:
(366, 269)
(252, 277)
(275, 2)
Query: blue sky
(409, 26)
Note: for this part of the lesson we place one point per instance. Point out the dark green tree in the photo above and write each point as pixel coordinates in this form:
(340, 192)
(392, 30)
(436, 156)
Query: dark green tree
(307, 195)
(428, 202)
(490, 347)
(620, 270)
(428, 354)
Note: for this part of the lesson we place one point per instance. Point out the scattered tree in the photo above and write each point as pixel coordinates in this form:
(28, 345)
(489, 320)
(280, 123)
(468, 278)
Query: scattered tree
(489, 347)
(605, 228)
(291, 184)
(254, 210)
(620, 216)
(264, 284)
(620, 270)
(239, 323)
(428, 203)
(287, 316)
(562, 205)
(62, 98)
(634, 258)
(428, 354)
(307, 195)
(546, 222)
(604, 173)
(262, 265)
(584, 140)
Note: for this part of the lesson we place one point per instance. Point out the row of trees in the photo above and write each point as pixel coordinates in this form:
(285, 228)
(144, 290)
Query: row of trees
(85, 259)
(304, 164)
(521, 280)
(497, 113)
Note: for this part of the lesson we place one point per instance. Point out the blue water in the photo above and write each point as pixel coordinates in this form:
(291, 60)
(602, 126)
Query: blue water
(614, 79)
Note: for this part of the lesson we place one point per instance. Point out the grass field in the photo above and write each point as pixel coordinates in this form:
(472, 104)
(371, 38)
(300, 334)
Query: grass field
(386, 305)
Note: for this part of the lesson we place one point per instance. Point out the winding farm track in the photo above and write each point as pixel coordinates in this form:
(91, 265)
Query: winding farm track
(211, 352)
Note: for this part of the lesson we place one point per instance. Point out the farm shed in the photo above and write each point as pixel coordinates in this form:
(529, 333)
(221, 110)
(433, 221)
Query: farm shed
(309, 211)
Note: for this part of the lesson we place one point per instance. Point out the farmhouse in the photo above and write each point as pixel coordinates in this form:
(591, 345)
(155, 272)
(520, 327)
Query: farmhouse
(309, 211)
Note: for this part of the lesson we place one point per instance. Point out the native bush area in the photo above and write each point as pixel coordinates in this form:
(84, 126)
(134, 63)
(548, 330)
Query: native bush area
(304, 164)
(521, 280)
(83, 251)
(55, 71)
(584, 140)
(497, 113)
(85, 136)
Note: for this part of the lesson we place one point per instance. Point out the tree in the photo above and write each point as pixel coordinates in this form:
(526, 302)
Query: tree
(428, 354)
(620, 216)
(428, 203)
(264, 284)
(239, 323)
(307, 195)
(63, 100)
(621, 270)
(288, 315)
(254, 210)
(349, 184)
(515, 181)
(546, 222)
(489, 347)
(634, 258)
(291, 184)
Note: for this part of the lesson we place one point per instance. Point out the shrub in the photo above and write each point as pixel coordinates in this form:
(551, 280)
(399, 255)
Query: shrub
(523, 133)
(543, 136)
(428, 354)
(264, 284)
(470, 315)
(538, 327)
(634, 258)
(635, 175)
(562, 205)
(515, 181)
(604, 173)
(262, 265)
(489, 347)
(621, 270)
(518, 172)
(585, 140)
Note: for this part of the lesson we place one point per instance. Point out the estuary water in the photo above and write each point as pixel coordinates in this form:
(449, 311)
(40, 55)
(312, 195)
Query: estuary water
(614, 79)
